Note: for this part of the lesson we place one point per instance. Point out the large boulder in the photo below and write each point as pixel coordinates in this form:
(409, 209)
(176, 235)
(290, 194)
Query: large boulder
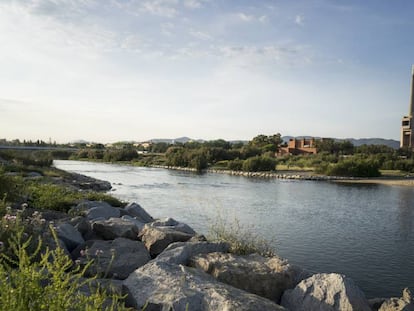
(116, 259)
(326, 292)
(405, 303)
(266, 277)
(115, 228)
(180, 253)
(172, 224)
(156, 239)
(69, 235)
(84, 226)
(137, 223)
(164, 286)
(136, 211)
(95, 210)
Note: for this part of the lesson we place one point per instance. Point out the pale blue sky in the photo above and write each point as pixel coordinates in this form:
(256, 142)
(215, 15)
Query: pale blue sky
(139, 69)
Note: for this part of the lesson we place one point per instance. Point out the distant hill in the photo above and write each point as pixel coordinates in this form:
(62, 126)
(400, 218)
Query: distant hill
(182, 140)
(360, 141)
(80, 141)
(356, 142)
(375, 141)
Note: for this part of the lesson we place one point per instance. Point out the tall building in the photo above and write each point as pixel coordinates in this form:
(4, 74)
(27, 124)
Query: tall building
(407, 126)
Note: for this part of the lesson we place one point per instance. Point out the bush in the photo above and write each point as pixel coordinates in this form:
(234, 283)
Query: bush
(242, 240)
(353, 168)
(11, 187)
(61, 198)
(235, 165)
(256, 164)
(53, 283)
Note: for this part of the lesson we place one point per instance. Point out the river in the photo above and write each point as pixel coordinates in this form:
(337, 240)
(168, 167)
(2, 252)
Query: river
(363, 231)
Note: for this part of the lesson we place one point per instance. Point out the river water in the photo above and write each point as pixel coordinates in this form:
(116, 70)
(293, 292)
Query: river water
(363, 231)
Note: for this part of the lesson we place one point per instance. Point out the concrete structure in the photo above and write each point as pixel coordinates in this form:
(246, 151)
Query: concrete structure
(299, 146)
(407, 126)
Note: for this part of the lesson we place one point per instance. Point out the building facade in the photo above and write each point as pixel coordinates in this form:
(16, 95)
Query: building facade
(407, 126)
(299, 146)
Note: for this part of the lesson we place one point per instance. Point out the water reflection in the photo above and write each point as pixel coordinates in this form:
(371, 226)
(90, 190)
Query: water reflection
(405, 209)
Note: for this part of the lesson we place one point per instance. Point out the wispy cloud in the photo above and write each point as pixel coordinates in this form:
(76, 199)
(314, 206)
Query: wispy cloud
(251, 17)
(299, 20)
(165, 8)
(194, 4)
(263, 19)
(200, 35)
(245, 17)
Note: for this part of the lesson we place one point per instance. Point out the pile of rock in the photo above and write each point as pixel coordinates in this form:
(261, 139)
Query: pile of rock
(164, 264)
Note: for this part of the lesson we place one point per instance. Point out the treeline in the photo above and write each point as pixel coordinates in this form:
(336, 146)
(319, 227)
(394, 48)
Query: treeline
(256, 155)
(340, 158)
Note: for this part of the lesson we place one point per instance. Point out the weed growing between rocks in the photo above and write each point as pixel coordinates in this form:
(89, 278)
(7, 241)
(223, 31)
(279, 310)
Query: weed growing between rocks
(243, 240)
(45, 279)
(61, 198)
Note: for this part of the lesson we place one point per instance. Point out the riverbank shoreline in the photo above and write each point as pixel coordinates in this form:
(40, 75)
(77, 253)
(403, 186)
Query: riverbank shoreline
(306, 175)
(387, 181)
(238, 180)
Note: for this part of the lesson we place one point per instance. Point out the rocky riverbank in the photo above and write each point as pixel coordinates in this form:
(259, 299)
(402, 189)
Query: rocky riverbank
(277, 175)
(163, 264)
(299, 175)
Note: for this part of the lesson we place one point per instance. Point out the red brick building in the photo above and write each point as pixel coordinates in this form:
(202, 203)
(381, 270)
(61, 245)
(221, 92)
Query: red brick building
(299, 146)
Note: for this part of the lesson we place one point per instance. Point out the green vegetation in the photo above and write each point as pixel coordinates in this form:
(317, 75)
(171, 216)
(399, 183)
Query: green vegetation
(62, 198)
(242, 240)
(35, 273)
(334, 157)
(45, 279)
(43, 191)
(351, 168)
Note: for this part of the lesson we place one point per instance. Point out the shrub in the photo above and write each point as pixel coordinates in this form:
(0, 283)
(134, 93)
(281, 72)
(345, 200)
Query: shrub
(259, 163)
(52, 283)
(235, 165)
(353, 168)
(242, 240)
(11, 187)
(29, 229)
(61, 198)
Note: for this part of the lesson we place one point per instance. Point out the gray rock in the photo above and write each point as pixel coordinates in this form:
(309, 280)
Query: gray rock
(326, 292)
(84, 227)
(110, 286)
(156, 239)
(93, 210)
(163, 286)
(266, 277)
(100, 212)
(69, 235)
(135, 210)
(180, 253)
(137, 223)
(115, 228)
(173, 224)
(116, 259)
(405, 303)
(375, 303)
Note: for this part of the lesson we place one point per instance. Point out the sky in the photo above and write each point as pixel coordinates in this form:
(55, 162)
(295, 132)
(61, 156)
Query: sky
(116, 70)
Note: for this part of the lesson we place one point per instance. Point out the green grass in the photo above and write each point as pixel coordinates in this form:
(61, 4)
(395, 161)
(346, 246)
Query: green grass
(61, 198)
(284, 167)
(242, 240)
(394, 173)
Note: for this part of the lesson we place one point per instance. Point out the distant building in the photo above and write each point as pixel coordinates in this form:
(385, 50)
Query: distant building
(407, 126)
(299, 146)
